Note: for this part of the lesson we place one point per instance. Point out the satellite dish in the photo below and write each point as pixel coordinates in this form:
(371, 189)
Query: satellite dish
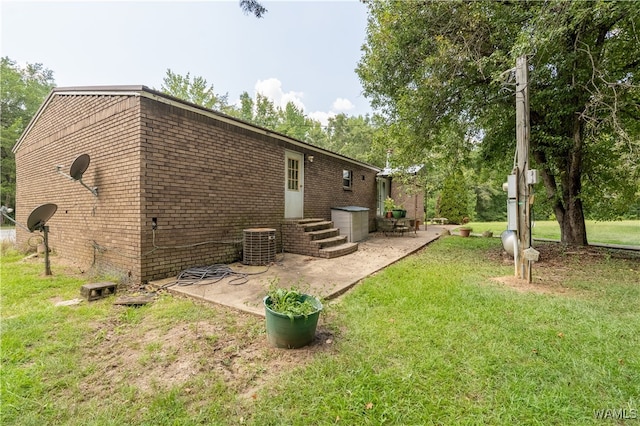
(79, 166)
(40, 215)
(37, 221)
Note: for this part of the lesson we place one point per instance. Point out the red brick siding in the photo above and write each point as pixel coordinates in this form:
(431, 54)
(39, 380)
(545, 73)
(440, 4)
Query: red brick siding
(205, 180)
(324, 190)
(411, 198)
(102, 231)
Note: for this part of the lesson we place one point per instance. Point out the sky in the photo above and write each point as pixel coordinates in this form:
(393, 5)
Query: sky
(301, 51)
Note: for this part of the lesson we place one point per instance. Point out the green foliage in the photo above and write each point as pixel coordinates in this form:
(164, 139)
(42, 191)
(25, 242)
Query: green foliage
(430, 66)
(196, 91)
(453, 199)
(352, 137)
(490, 203)
(389, 204)
(23, 90)
(290, 302)
(349, 136)
(293, 122)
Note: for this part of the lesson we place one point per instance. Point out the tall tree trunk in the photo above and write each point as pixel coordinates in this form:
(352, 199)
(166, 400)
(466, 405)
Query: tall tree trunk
(572, 227)
(567, 205)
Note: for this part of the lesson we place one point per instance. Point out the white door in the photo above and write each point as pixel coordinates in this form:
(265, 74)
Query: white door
(383, 193)
(294, 184)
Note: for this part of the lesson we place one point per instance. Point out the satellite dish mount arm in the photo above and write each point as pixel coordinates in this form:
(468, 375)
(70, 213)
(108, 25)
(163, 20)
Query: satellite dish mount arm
(93, 190)
(79, 166)
(5, 212)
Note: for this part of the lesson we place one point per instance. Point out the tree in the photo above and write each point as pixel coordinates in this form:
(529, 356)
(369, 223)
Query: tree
(245, 112)
(427, 64)
(23, 91)
(265, 113)
(254, 7)
(453, 202)
(293, 122)
(197, 91)
(354, 137)
(350, 136)
(262, 112)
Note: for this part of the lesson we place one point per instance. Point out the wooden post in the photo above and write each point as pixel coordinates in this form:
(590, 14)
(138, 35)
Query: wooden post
(47, 264)
(523, 266)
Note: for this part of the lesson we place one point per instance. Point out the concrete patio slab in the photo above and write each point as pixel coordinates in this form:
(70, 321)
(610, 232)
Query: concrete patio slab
(326, 278)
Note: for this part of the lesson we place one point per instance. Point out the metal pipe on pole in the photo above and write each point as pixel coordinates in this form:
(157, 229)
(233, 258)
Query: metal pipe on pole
(523, 265)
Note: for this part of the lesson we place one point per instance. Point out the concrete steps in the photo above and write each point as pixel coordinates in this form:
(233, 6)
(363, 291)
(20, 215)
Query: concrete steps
(315, 237)
(339, 250)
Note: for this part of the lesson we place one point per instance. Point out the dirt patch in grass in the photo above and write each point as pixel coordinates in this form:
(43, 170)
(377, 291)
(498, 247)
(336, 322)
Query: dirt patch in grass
(538, 285)
(153, 356)
(231, 348)
(557, 263)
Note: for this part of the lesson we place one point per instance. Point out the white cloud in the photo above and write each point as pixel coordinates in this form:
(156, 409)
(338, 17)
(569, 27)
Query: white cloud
(321, 116)
(272, 89)
(342, 104)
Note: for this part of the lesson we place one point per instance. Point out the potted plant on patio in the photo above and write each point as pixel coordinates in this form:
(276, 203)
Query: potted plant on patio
(396, 210)
(399, 212)
(465, 231)
(291, 317)
(389, 205)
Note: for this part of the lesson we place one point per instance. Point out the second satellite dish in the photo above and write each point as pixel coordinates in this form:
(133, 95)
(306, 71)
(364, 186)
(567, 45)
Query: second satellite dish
(40, 215)
(79, 166)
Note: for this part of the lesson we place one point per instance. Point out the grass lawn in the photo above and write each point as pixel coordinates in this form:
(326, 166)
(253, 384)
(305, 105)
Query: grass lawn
(432, 339)
(625, 232)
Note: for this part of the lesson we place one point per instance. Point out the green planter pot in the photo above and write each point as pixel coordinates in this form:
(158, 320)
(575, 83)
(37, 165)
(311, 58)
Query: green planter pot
(398, 213)
(291, 333)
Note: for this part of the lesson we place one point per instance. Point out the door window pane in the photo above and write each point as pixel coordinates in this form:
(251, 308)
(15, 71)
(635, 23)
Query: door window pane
(293, 174)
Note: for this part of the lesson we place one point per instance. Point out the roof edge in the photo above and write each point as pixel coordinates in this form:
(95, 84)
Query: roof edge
(102, 89)
(144, 91)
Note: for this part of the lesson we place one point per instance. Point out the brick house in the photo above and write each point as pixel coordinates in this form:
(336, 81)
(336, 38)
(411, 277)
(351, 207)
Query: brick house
(408, 193)
(176, 183)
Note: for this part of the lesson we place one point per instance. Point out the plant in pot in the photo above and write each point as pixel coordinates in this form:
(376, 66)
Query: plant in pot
(291, 317)
(465, 231)
(389, 205)
(399, 212)
(393, 209)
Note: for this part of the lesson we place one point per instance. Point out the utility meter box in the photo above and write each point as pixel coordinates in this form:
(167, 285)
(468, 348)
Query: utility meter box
(512, 187)
(512, 203)
(512, 215)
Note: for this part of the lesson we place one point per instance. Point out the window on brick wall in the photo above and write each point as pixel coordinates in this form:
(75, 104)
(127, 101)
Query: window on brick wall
(347, 179)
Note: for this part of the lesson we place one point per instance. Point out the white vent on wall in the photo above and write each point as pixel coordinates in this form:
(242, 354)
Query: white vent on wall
(259, 246)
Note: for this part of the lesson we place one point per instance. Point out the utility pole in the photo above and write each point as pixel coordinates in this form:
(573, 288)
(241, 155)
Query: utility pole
(523, 265)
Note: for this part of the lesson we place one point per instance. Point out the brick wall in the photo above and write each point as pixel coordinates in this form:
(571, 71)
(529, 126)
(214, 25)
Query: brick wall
(95, 232)
(324, 190)
(411, 198)
(203, 179)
